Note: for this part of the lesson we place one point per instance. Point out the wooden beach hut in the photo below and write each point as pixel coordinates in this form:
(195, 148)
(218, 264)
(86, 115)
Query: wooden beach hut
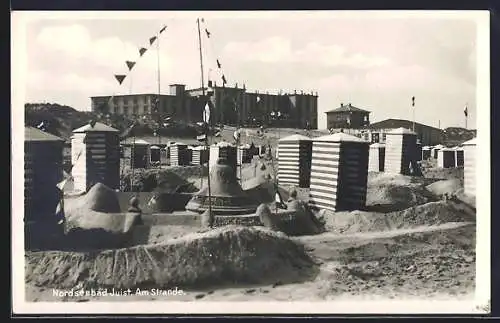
(376, 157)
(446, 158)
(179, 154)
(199, 155)
(426, 152)
(459, 156)
(95, 155)
(294, 161)
(470, 167)
(339, 172)
(400, 151)
(140, 154)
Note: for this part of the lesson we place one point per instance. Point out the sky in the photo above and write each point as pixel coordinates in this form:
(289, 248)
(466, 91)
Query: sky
(374, 63)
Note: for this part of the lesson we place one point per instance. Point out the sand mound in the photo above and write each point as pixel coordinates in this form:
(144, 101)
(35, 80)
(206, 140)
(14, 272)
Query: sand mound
(100, 198)
(262, 189)
(449, 186)
(443, 173)
(433, 213)
(297, 220)
(392, 192)
(228, 255)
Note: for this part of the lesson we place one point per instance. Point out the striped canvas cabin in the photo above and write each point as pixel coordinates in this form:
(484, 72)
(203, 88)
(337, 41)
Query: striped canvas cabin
(470, 167)
(376, 157)
(294, 161)
(43, 170)
(446, 158)
(459, 157)
(179, 154)
(339, 172)
(199, 155)
(140, 154)
(95, 155)
(400, 151)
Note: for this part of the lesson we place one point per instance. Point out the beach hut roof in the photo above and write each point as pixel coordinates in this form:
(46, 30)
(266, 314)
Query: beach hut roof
(340, 137)
(98, 127)
(447, 149)
(377, 145)
(154, 147)
(296, 137)
(224, 144)
(471, 142)
(141, 142)
(439, 147)
(401, 131)
(33, 134)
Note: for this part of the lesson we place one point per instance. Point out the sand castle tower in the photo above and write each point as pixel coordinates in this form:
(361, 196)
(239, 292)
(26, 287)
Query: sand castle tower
(227, 196)
(140, 154)
(470, 167)
(446, 158)
(400, 151)
(294, 161)
(459, 156)
(95, 155)
(179, 154)
(225, 151)
(339, 172)
(43, 170)
(376, 157)
(426, 152)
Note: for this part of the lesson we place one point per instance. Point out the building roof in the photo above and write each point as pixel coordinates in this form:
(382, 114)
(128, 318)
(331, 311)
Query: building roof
(33, 134)
(224, 144)
(398, 123)
(98, 127)
(154, 147)
(140, 142)
(347, 108)
(295, 137)
(340, 137)
(471, 142)
(401, 131)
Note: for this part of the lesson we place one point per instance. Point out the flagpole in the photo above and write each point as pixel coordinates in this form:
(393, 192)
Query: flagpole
(159, 87)
(207, 127)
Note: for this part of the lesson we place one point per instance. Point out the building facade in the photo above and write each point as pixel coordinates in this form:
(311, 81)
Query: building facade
(230, 105)
(347, 116)
(426, 135)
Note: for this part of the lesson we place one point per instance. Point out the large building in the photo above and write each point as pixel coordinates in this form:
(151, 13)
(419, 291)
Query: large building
(231, 105)
(347, 116)
(426, 135)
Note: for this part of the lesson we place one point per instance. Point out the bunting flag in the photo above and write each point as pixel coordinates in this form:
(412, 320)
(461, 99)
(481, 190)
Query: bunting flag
(142, 50)
(152, 40)
(466, 111)
(224, 82)
(120, 78)
(207, 32)
(163, 29)
(130, 65)
(218, 64)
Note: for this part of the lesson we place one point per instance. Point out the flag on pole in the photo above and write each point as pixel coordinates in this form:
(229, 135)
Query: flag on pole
(208, 33)
(412, 101)
(466, 111)
(224, 82)
(218, 64)
(152, 40)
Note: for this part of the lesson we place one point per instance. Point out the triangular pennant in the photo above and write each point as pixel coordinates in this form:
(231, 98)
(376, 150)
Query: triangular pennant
(218, 64)
(224, 80)
(152, 40)
(208, 33)
(163, 29)
(142, 50)
(130, 65)
(120, 78)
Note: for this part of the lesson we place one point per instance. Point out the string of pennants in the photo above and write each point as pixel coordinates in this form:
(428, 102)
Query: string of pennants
(217, 60)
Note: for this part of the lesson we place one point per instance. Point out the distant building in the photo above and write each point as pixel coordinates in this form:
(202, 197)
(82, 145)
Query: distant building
(231, 105)
(347, 116)
(426, 135)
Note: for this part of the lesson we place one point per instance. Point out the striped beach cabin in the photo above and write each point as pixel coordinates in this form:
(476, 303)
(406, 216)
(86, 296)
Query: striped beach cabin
(43, 170)
(339, 172)
(459, 156)
(95, 156)
(470, 167)
(376, 157)
(294, 161)
(446, 158)
(179, 154)
(426, 152)
(400, 151)
(199, 155)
